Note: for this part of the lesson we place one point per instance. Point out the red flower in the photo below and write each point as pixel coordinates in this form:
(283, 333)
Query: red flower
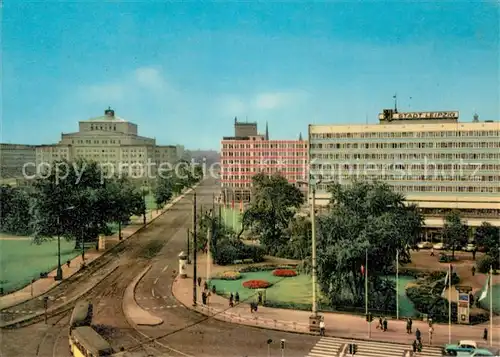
(284, 272)
(256, 284)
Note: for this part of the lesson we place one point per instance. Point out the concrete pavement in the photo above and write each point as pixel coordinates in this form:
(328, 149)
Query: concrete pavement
(337, 324)
(43, 285)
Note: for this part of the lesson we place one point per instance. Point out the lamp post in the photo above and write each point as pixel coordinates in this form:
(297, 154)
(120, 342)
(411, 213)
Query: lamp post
(312, 213)
(59, 273)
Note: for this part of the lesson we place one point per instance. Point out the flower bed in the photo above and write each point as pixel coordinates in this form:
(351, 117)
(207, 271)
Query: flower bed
(284, 272)
(256, 284)
(229, 275)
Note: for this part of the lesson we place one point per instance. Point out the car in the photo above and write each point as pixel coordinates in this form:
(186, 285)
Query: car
(464, 346)
(424, 245)
(483, 352)
(469, 247)
(438, 246)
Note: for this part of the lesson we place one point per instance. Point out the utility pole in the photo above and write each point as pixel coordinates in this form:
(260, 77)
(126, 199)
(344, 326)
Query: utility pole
(187, 237)
(194, 248)
(313, 255)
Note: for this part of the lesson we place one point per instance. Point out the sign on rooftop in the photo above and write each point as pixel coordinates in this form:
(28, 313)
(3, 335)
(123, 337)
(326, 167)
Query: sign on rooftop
(390, 115)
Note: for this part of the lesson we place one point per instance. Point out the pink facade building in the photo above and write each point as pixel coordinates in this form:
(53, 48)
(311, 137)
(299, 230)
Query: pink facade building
(243, 156)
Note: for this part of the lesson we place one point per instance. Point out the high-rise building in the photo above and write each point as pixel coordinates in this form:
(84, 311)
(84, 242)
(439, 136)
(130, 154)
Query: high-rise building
(13, 158)
(114, 143)
(245, 156)
(433, 159)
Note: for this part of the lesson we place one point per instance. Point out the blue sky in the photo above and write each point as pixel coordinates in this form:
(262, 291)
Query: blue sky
(183, 70)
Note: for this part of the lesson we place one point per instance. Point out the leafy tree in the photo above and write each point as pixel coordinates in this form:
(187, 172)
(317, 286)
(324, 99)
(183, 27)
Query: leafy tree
(454, 232)
(163, 191)
(272, 208)
(488, 237)
(364, 218)
(15, 210)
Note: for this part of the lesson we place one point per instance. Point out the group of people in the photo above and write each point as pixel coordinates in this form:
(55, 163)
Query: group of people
(233, 299)
(382, 324)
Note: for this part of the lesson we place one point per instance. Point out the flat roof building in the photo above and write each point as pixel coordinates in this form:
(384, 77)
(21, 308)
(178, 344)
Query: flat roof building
(433, 159)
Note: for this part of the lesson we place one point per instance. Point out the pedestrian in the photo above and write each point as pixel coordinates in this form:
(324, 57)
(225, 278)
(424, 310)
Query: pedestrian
(231, 302)
(432, 251)
(322, 327)
(485, 334)
(418, 335)
(385, 324)
(237, 298)
(414, 346)
(419, 346)
(260, 298)
(252, 308)
(410, 321)
(204, 298)
(473, 270)
(474, 254)
(408, 325)
(431, 332)
(380, 322)
(199, 281)
(68, 263)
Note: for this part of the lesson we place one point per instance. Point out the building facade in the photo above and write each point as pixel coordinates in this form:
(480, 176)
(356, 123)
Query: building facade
(112, 142)
(436, 161)
(13, 158)
(245, 156)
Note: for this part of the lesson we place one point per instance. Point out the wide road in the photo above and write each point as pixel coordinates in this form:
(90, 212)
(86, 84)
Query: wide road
(184, 331)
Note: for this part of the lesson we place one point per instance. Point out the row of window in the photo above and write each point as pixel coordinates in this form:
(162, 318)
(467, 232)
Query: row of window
(439, 145)
(264, 162)
(408, 156)
(263, 154)
(103, 127)
(408, 134)
(463, 212)
(435, 189)
(260, 168)
(402, 176)
(288, 175)
(477, 167)
(267, 145)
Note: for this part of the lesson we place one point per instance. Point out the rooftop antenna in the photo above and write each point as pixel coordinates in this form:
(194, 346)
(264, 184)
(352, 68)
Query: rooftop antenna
(395, 97)
(409, 105)
(475, 118)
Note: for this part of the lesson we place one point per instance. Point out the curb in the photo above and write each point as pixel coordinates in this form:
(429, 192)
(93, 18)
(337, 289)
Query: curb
(53, 310)
(93, 262)
(129, 302)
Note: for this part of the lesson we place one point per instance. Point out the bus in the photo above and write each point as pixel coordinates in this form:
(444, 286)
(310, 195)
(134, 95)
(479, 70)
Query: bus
(81, 315)
(84, 341)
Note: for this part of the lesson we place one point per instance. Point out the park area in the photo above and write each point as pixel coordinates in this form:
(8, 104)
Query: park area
(294, 291)
(21, 260)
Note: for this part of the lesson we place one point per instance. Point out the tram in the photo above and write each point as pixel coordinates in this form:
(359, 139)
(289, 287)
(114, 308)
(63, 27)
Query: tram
(81, 315)
(84, 341)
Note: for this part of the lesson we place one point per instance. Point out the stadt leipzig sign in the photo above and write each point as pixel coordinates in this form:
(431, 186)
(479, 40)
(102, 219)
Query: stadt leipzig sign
(424, 115)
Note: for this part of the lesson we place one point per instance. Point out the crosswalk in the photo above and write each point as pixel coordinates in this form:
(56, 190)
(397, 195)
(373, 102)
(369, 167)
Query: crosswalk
(338, 347)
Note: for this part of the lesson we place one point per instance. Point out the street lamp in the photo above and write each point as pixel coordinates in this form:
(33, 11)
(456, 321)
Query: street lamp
(313, 186)
(59, 273)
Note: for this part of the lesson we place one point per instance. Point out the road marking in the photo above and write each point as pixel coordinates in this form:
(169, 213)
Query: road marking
(164, 269)
(153, 292)
(156, 280)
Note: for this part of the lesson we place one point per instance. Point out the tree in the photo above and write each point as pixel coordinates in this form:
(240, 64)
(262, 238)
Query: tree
(272, 208)
(364, 218)
(163, 191)
(15, 205)
(454, 232)
(488, 237)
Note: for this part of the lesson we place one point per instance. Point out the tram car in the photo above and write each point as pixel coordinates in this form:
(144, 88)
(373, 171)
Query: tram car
(84, 341)
(81, 315)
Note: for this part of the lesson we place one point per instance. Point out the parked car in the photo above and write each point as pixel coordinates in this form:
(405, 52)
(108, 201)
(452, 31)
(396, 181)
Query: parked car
(424, 245)
(469, 247)
(483, 352)
(439, 246)
(462, 347)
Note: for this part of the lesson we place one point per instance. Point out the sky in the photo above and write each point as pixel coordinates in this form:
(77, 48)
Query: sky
(183, 70)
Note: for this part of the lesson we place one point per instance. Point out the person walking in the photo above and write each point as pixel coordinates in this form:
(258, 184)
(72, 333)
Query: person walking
(432, 251)
(380, 324)
(431, 333)
(408, 328)
(485, 334)
(418, 335)
(322, 327)
(473, 270)
(414, 346)
(237, 298)
(385, 324)
(199, 281)
(231, 300)
(411, 323)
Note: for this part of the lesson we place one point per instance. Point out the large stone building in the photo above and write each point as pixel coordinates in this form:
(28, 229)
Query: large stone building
(433, 159)
(13, 158)
(243, 156)
(112, 142)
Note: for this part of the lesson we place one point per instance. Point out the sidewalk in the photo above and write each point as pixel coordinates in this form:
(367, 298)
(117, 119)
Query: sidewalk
(42, 285)
(337, 324)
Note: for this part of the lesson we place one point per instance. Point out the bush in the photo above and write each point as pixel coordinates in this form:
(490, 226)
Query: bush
(265, 267)
(443, 258)
(284, 272)
(229, 251)
(485, 263)
(256, 284)
(432, 304)
(228, 275)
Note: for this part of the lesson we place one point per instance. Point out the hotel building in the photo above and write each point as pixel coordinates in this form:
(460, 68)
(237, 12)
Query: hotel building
(13, 157)
(433, 159)
(248, 153)
(112, 142)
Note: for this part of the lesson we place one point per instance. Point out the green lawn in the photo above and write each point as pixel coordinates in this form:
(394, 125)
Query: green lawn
(296, 290)
(20, 260)
(232, 218)
(485, 303)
